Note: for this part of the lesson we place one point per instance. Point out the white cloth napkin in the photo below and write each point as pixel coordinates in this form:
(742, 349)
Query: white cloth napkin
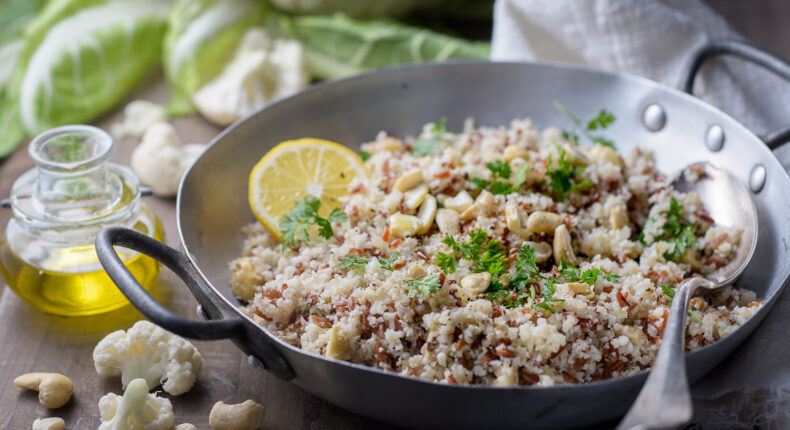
(655, 39)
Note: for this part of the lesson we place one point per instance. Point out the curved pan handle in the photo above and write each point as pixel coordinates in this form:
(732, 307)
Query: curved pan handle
(206, 330)
(746, 52)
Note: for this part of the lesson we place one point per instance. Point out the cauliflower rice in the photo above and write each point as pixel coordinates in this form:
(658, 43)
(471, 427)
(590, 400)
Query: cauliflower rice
(465, 332)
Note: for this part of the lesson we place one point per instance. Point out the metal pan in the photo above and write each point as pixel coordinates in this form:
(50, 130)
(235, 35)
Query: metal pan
(212, 209)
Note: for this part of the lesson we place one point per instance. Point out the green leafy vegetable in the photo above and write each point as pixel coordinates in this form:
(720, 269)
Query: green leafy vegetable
(601, 121)
(364, 155)
(428, 145)
(446, 262)
(201, 39)
(424, 286)
(386, 263)
(590, 277)
(295, 225)
(669, 295)
(82, 57)
(337, 46)
(352, 262)
(562, 178)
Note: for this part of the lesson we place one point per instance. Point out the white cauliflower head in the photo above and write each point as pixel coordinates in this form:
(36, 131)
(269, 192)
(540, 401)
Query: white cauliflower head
(135, 410)
(263, 70)
(160, 160)
(138, 116)
(151, 353)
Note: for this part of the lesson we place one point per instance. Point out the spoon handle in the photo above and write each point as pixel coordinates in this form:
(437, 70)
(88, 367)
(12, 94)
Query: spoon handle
(665, 400)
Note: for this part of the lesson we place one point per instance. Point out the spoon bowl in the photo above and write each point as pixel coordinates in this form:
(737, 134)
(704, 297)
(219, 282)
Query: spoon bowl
(664, 401)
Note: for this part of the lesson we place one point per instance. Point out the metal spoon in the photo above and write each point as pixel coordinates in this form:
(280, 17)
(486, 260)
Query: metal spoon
(665, 400)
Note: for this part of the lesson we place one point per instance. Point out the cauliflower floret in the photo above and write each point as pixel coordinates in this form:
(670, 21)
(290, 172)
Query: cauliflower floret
(160, 160)
(261, 71)
(136, 410)
(138, 116)
(149, 352)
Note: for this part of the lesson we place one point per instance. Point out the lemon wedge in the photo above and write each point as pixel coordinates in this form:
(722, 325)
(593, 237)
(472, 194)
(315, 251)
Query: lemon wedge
(299, 168)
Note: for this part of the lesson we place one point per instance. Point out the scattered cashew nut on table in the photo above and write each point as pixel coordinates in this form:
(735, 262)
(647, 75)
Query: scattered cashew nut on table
(52, 423)
(54, 389)
(243, 416)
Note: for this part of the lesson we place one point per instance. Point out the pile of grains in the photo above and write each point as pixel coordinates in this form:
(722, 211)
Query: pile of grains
(500, 256)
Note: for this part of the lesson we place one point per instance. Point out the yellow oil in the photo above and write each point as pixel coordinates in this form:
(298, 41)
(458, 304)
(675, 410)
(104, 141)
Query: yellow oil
(71, 282)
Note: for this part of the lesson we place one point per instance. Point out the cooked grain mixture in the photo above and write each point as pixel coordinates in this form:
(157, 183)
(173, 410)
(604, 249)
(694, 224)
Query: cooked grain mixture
(499, 256)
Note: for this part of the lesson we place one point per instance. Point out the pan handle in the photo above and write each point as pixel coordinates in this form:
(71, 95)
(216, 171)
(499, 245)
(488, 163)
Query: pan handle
(225, 328)
(746, 52)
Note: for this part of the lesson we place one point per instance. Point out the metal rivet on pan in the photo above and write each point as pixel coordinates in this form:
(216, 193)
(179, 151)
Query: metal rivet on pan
(714, 138)
(255, 362)
(757, 178)
(201, 312)
(654, 117)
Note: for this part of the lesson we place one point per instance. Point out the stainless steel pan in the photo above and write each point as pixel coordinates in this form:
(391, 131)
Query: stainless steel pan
(212, 209)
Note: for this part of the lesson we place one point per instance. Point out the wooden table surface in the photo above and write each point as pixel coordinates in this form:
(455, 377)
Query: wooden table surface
(33, 341)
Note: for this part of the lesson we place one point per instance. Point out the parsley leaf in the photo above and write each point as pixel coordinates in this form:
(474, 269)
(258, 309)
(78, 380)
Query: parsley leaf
(352, 262)
(446, 262)
(601, 121)
(364, 155)
(612, 277)
(669, 294)
(428, 145)
(590, 277)
(386, 263)
(677, 230)
(424, 286)
(500, 170)
(487, 255)
(295, 224)
(562, 178)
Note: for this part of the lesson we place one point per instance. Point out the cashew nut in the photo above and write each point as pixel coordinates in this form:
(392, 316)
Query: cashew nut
(185, 426)
(575, 157)
(514, 219)
(618, 217)
(600, 153)
(337, 347)
(416, 271)
(408, 181)
(460, 202)
(563, 249)
(690, 257)
(243, 279)
(483, 203)
(543, 250)
(476, 283)
(243, 416)
(426, 214)
(543, 222)
(413, 198)
(448, 221)
(576, 287)
(402, 225)
(385, 144)
(54, 389)
(52, 423)
(515, 151)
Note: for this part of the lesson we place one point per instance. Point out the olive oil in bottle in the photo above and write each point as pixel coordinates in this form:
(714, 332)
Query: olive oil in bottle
(47, 254)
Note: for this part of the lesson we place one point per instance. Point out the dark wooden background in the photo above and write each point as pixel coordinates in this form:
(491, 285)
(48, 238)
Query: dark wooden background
(32, 341)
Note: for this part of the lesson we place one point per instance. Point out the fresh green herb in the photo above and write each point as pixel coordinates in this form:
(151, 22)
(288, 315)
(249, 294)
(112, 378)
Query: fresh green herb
(424, 286)
(562, 178)
(547, 293)
(386, 263)
(364, 155)
(590, 277)
(669, 294)
(428, 145)
(500, 175)
(295, 224)
(352, 262)
(601, 121)
(487, 255)
(677, 230)
(527, 276)
(526, 270)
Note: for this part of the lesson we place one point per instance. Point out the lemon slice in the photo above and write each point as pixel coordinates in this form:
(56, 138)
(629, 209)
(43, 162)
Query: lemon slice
(299, 168)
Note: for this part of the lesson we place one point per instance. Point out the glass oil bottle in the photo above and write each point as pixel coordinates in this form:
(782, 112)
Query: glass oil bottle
(46, 252)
